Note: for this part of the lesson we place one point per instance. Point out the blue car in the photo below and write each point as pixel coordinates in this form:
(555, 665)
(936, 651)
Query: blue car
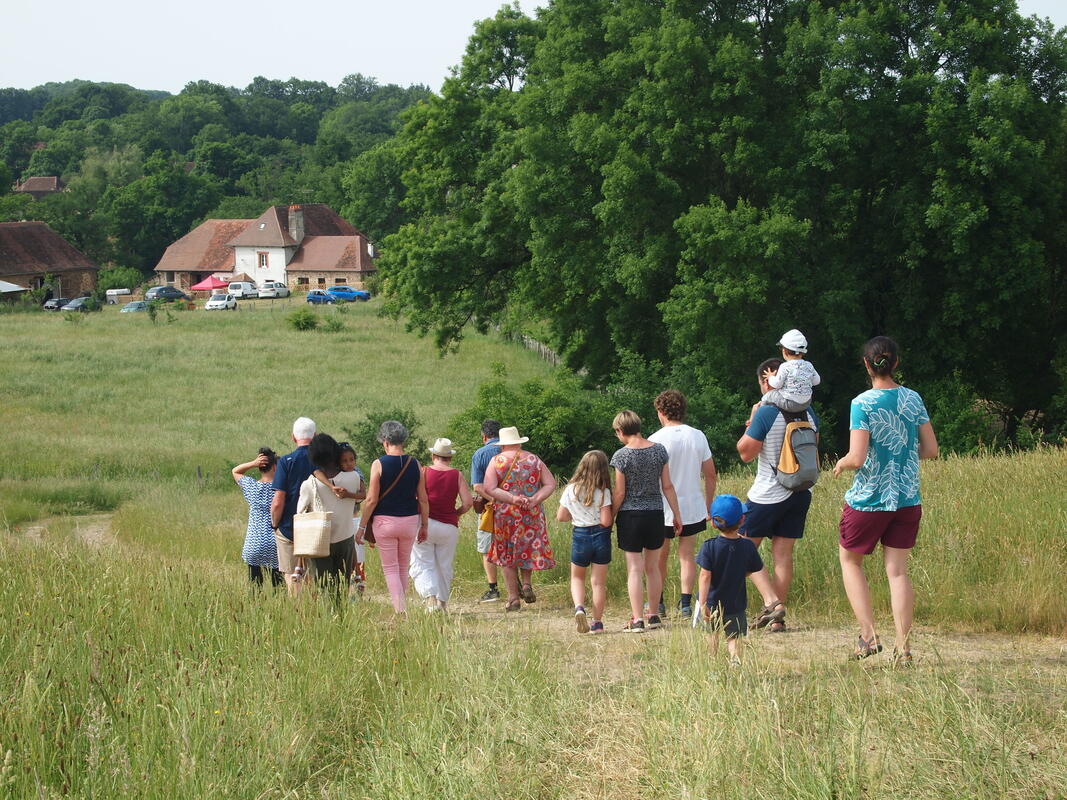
(347, 294)
(319, 296)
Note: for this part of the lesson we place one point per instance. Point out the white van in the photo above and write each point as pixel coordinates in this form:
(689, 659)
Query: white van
(243, 289)
(274, 289)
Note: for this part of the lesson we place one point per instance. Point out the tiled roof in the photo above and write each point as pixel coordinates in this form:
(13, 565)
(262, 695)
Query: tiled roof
(268, 231)
(33, 248)
(204, 248)
(272, 227)
(43, 184)
(321, 220)
(342, 253)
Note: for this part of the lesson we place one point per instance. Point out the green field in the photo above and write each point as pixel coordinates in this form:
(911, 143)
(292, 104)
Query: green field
(136, 663)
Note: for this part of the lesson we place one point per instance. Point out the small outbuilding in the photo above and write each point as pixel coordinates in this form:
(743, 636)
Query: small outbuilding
(40, 186)
(31, 251)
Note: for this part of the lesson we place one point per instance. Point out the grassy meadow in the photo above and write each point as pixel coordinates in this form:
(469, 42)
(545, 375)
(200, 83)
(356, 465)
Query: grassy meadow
(136, 662)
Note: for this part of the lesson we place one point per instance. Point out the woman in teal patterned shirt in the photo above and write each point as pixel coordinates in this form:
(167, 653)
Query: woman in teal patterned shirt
(890, 432)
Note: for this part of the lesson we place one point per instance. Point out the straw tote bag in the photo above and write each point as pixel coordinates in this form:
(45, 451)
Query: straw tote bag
(312, 529)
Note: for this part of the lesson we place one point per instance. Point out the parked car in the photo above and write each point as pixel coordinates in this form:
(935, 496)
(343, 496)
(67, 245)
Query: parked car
(136, 305)
(346, 293)
(243, 289)
(168, 294)
(274, 289)
(78, 304)
(319, 296)
(56, 303)
(221, 302)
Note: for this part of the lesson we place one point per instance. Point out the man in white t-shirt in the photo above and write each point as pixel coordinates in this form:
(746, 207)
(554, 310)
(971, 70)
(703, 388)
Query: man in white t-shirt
(692, 468)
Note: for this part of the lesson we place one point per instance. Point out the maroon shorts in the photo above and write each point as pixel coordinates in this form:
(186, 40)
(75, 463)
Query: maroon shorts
(861, 531)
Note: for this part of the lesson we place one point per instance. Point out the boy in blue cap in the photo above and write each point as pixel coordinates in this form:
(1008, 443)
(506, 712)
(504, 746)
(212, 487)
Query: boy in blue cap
(725, 561)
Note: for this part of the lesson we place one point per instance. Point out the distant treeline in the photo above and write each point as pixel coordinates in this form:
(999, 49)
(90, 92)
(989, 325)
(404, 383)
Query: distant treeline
(143, 167)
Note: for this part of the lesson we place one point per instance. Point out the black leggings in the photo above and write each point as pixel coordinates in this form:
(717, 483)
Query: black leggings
(255, 575)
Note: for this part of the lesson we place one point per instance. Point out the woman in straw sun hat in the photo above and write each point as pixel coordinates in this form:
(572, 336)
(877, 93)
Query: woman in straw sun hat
(519, 482)
(432, 560)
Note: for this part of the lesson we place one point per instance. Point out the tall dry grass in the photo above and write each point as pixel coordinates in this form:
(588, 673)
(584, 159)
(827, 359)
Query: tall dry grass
(138, 663)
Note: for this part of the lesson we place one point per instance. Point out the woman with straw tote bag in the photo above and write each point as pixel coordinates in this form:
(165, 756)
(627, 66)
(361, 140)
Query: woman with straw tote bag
(311, 529)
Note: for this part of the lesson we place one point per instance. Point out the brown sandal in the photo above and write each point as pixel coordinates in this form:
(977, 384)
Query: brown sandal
(513, 605)
(864, 649)
(772, 613)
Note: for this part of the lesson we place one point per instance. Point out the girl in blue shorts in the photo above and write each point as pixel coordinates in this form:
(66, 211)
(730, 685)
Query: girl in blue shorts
(586, 502)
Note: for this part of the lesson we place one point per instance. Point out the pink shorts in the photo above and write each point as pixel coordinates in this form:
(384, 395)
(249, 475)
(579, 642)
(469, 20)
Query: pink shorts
(861, 531)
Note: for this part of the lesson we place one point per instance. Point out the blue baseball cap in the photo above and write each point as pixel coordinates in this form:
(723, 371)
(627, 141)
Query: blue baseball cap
(726, 511)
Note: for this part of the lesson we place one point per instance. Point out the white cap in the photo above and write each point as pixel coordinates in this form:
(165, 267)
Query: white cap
(794, 340)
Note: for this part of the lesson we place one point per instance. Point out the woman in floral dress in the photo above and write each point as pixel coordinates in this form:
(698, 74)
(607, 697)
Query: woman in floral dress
(519, 482)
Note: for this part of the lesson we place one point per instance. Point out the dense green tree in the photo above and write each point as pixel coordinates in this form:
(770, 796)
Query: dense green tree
(16, 207)
(669, 186)
(17, 140)
(20, 103)
(145, 216)
(445, 267)
(236, 207)
(223, 161)
(181, 118)
(356, 87)
(357, 125)
(90, 101)
(374, 191)
(60, 153)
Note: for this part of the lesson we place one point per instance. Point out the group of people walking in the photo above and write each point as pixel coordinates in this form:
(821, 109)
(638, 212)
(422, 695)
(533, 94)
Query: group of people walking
(652, 490)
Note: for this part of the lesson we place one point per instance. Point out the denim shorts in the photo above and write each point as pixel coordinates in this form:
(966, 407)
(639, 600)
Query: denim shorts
(590, 545)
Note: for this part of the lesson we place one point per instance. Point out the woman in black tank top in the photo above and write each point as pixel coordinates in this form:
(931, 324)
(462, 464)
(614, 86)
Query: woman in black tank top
(398, 505)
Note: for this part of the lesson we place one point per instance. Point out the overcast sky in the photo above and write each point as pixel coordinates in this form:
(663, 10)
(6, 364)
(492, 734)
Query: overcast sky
(164, 45)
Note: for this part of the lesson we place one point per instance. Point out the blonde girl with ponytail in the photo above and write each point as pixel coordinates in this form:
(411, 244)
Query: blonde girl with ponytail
(586, 502)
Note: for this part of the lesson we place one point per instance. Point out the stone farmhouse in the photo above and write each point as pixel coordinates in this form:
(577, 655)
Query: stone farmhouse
(31, 250)
(306, 247)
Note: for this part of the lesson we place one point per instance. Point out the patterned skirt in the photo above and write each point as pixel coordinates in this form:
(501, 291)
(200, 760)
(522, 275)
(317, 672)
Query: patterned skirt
(520, 539)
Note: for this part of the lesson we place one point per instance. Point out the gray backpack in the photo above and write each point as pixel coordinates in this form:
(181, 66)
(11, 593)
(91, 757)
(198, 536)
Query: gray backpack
(798, 463)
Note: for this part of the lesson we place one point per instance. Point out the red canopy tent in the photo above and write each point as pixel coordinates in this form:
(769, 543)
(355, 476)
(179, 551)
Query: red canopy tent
(209, 284)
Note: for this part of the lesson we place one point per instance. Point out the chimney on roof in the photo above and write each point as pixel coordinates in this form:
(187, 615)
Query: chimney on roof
(296, 223)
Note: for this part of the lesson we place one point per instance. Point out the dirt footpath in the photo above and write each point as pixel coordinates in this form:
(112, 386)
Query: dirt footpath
(800, 648)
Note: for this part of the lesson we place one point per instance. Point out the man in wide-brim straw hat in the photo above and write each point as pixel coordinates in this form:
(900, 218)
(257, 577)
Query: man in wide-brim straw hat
(519, 482)
(432, 561)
